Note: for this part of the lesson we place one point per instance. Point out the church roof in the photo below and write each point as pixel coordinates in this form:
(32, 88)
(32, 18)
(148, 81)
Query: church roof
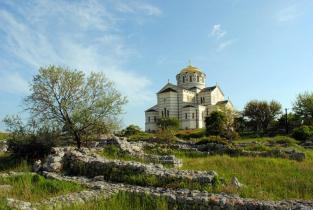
(210, 89)
(225, 102)
(190, 69)
(152, 109)
(222, 102)
(168, 88)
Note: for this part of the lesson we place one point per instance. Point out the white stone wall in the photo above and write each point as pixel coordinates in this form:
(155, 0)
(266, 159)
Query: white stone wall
(151, 118)
(168, 104)
(196, 79)
(202, 115)
(216, 96)
(189, 96)
(188, 120)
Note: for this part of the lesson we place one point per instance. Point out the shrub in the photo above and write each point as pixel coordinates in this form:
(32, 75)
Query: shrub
(141, 136)
(215, 123)
(303, 133)
(212, 139)
(167, 123)
(166, 136)
(131, 130)
(3, 136)
(32, 146)
(283, 140)
(190, 134)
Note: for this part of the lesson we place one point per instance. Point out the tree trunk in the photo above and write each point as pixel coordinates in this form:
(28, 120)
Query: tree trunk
(77, 139)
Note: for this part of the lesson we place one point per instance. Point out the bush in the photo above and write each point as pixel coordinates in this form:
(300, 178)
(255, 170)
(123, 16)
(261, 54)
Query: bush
(212, 139)
(215, 123)
(190, 134)
(32, 146)
(131, 130)
(303, 133)
(141, 136)
(3, 136)
(283, 140)
(166, 136)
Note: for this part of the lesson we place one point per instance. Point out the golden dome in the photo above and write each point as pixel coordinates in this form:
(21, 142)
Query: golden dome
(190, 69)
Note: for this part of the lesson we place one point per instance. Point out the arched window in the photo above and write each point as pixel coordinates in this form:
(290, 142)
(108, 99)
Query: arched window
(193, 115)
(197, 78)
(148, 119)
(190, 77)
(168, 113)
(154, 118)
(186, 116)
(183, 79)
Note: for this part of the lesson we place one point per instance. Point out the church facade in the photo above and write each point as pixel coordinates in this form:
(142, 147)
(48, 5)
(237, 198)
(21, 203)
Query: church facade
(190, 101)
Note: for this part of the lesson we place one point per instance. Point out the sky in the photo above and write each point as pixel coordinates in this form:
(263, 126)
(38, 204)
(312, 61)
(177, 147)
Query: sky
(260, 49)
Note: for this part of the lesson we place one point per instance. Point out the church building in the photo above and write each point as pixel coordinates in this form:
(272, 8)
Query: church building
(190, 101)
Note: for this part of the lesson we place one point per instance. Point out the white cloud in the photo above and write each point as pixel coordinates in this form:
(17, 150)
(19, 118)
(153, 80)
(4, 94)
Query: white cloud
(225, 44)
(56, 32)
(218, 32)
(138, 7)
(13, 83)
(288, 13)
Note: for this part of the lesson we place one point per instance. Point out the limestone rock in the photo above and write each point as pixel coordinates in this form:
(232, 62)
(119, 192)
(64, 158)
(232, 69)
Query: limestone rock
(37, 166)
(235, 182)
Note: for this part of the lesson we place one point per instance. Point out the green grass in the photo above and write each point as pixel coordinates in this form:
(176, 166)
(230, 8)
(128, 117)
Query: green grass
(3, 135)
(10, 163)
(125, 201)
(114, 152)
(34, 188)
(265, 178)
(142, 136)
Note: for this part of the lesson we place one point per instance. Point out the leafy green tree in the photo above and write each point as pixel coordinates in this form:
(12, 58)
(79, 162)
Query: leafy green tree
(82, 106)
(215, 123)
(293, 121)
(131, 130)
(303, 107)
(261, 114)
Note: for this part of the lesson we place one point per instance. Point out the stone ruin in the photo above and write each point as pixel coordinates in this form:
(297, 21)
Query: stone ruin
(85, 167)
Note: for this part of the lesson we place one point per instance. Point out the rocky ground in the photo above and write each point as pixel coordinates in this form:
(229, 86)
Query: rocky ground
(104, 177)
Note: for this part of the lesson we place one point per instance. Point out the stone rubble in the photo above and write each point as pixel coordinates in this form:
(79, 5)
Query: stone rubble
(98, 188)
(21, 205)
(4, 146)
(135, 149)
(185, 197)
(94, 165)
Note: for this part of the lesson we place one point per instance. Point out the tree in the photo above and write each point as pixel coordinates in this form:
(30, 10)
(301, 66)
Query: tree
(215, 123)
(303, 107)
(82, 106)
(221, 123)
(131, 130)
(261, 114)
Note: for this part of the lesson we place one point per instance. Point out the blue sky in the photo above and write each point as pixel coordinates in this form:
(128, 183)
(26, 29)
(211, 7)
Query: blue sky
(252, 49)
